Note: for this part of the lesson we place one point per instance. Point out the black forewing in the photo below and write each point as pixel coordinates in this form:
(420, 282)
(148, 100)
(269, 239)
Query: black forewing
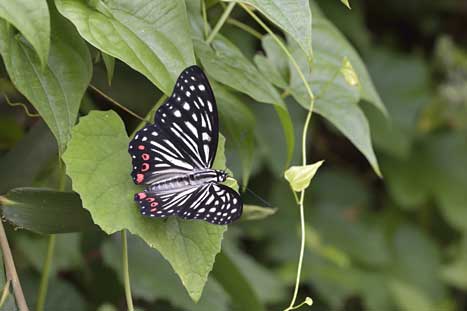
(190, 118)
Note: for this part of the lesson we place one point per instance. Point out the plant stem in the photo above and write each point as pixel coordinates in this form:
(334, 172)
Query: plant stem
(11, 270)
(42, 295)
(304, 134)
(245, 27)
(205, 18)
(220, 22)
(44, 284)
(116, 103)
(126, 273)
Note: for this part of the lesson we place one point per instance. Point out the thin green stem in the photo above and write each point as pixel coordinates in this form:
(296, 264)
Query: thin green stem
(116, 103)
(220, 22)
(29, 114)
(286, 51)
(244, 27)
(304, 134)
(44, 284)
(126, 273)
(205, 18)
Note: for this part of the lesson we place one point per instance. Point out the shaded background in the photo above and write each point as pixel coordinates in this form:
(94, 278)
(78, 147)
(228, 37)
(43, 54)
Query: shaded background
(397, 243)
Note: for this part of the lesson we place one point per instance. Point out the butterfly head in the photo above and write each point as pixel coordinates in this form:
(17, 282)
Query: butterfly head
(221, 175)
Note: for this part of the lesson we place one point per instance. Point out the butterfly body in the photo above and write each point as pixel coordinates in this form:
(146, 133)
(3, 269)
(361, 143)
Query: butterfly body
(173, 157)
(194, 179)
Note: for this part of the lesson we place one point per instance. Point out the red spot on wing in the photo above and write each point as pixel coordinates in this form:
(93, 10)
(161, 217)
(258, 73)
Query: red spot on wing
(139, 178)
(141, 147)
(150, 199)
(145, 156)
(142, 195)
(154, 204)
(145, 167)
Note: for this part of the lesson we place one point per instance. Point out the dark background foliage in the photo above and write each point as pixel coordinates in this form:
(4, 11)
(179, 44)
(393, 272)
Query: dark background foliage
(392, 243)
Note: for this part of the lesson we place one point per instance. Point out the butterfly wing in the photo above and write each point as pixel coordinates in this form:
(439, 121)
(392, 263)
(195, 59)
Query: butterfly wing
(216, 204)
(154, 156)
(184, 136)
(190, 117)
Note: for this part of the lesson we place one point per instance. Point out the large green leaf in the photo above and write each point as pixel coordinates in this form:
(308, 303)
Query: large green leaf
(99, 165)
(161, 282)
(329, 41)
(32, 19)
(294, 17)
(45, 211)
(56, 90)
(152, 37)
(336, 98)
(226, 64)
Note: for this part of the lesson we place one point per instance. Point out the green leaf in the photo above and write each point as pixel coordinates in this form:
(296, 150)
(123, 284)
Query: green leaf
(330, 42)
(275, 66)
(67, 254)
(336, 100)
(346, 3)
(264, 282)
(226, 64)
(236, 284)
(294, 17)
(349, 73)
(109, 63)
(404, 84)
(97, 160)
(152, 37)
(299, 177)
(45, 211)
(32, 19)
(255, 212)
(239, 124)
(408, 297)
(39, 139)
(56, 90)
(162, 282)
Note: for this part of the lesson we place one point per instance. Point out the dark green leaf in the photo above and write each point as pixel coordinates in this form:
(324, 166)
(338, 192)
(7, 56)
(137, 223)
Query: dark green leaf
(239, 124)
(255, 212)
(109, 63)
(236, 284)
(19, 167)
(45, 211)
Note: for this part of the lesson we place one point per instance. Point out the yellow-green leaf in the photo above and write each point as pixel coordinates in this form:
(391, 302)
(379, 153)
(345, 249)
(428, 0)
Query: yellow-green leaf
(349, 73)
(299, 177)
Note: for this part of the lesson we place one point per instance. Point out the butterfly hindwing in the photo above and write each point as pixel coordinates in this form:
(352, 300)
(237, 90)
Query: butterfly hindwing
(217, 204)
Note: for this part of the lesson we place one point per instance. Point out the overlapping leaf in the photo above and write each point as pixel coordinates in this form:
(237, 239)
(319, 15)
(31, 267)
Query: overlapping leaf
(226, 64)
(99, 165)
(294, 17)
(152, 37)
(32, 19)
(56, 90)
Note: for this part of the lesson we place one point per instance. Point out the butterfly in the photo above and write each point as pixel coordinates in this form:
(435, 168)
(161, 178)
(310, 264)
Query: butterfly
(173, 157)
